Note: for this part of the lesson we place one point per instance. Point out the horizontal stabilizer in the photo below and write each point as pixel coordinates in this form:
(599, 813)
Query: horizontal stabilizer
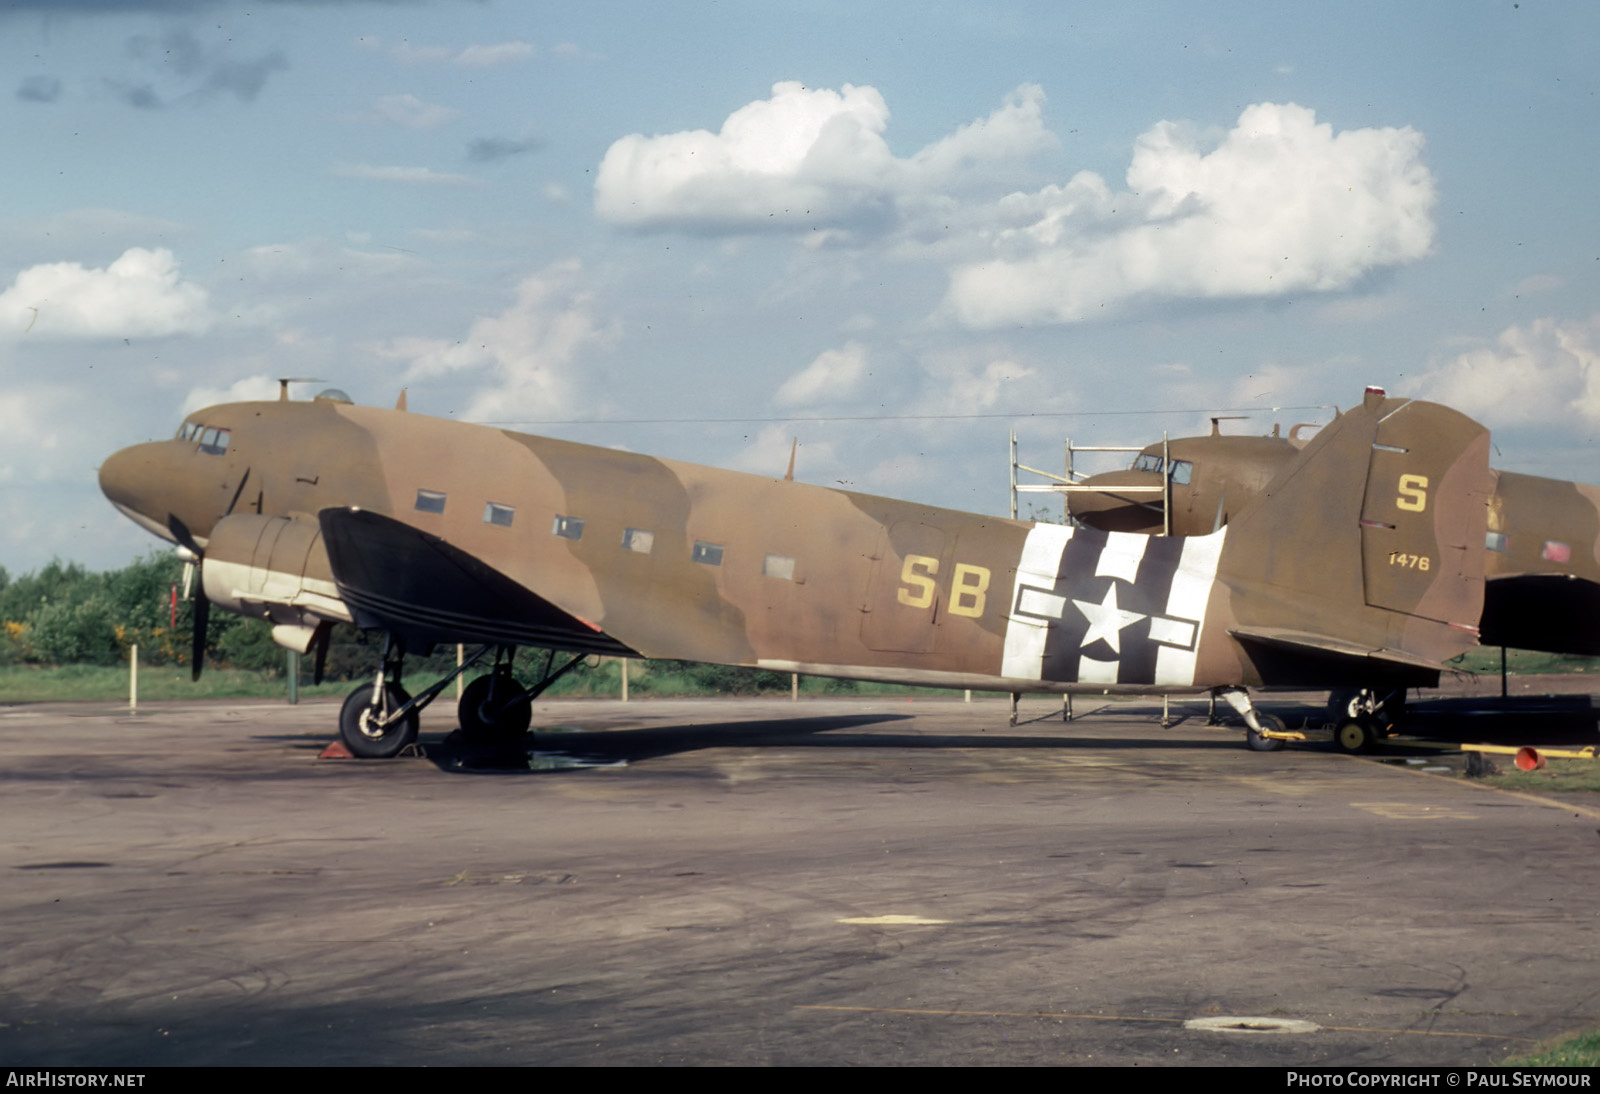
(1322, 646)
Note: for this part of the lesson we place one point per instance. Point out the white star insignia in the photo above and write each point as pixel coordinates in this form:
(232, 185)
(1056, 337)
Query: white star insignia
(1106, 620)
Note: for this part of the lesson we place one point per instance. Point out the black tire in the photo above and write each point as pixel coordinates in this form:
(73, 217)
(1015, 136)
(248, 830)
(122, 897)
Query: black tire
(1257, 742)
(369, 744)
(507, 722)
(1354, 736)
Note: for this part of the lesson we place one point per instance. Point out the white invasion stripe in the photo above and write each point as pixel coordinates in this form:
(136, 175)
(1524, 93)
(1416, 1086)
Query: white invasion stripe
(1091, 671)
(1041, 554)
(1174, 632)
(1191, 594)
(1122, 555)
(1033, 601)
(1023, 655)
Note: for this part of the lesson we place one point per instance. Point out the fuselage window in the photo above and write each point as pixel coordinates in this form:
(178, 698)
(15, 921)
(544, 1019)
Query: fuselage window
(431, 501)
(1556, 552)
(568, 527)
(495, 513)
(1495, 541)
(637, 539)
(709, 554)
(213, 441)
(779, 566)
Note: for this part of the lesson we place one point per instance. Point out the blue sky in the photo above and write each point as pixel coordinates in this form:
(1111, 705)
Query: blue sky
(893, 230)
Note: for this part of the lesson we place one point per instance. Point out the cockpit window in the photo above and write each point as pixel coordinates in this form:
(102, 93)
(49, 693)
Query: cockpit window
(1182, 470)
(188, 430)
(214, 441)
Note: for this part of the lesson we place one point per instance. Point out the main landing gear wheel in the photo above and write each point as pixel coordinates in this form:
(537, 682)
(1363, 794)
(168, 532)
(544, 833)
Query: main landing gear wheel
(359, 723)
(1257, 742)
(1356, 704)
(1355, 736)
(495, 709)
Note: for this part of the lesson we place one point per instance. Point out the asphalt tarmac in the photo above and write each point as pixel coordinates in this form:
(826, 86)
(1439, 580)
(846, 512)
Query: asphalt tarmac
(761, 882)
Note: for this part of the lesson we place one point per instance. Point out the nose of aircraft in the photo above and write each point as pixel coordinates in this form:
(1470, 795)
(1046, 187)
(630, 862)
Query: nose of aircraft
(131, 479)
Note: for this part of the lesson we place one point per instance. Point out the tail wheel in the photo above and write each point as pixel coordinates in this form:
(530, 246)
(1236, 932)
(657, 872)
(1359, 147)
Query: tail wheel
(1259, 743)
(1355, 736)
(360, 728)
(495, 708)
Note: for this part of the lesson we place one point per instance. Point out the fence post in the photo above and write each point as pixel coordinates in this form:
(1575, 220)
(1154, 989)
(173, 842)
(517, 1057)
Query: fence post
(133, 679)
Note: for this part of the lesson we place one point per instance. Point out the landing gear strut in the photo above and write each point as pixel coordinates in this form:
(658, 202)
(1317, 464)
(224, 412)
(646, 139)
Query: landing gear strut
(495, 709)
(371, 728)
(379, 719)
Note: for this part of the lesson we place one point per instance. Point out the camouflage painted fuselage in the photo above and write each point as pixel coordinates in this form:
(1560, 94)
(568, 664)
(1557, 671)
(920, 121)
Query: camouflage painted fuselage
(442, 532)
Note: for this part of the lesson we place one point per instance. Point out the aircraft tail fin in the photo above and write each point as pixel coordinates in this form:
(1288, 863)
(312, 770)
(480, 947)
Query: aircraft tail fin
(1372, 540)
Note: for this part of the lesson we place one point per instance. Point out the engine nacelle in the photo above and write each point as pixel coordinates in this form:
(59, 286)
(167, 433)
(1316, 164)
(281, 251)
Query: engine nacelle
(273, 568)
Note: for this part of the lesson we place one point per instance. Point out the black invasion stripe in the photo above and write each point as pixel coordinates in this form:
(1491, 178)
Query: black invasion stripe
(1075, 580)
(1149, 595)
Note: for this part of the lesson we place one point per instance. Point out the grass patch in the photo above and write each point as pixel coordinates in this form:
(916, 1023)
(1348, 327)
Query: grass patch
(1559, 775)
(1580, 1051)
(1485, 661)
(109, 683)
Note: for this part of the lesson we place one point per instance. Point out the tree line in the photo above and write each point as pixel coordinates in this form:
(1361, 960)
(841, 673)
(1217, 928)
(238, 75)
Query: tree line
(65, 614)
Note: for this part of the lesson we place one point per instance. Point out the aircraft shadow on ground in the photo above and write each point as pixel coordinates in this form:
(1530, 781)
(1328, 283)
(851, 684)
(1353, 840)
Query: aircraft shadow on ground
(1544, 720)
(603, 747)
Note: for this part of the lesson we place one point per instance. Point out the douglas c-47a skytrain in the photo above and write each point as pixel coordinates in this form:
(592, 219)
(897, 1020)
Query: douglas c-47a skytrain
(1360, 563)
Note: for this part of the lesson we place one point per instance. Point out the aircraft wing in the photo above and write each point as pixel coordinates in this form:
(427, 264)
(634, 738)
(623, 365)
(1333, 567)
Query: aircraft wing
(402, 579)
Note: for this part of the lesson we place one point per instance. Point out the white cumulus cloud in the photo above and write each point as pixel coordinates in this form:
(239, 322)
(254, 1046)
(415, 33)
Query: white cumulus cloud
(522, 359)
(804, 158)
(836, 374)
(1547, 372)
(141, 293)
(1282, 204)
(251, 389)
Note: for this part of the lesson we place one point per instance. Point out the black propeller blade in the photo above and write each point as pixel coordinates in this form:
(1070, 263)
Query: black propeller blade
(202, 621)
(202, 603)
